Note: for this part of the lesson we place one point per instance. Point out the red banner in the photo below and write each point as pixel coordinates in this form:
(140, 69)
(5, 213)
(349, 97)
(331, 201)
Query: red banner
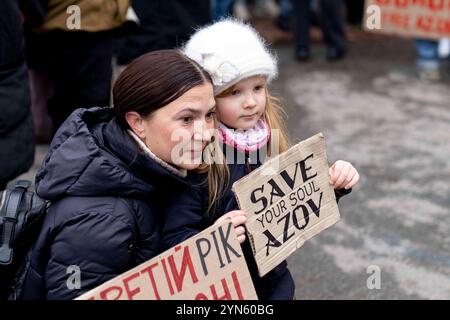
(428, 19)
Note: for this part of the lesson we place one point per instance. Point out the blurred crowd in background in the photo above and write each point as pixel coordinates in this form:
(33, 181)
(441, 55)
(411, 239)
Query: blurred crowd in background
(48, 70)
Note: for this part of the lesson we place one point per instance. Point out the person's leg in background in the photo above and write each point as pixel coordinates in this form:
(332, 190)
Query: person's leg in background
(428, 61)
(284, 20)
(221, 8)
(333, 27)
(444, 55)
(80, 71)
(301, 29)
(266, 9)
(241, 10)
(41, 89)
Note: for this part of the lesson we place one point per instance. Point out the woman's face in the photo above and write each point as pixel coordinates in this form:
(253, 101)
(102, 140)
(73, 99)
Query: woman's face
(178, 132)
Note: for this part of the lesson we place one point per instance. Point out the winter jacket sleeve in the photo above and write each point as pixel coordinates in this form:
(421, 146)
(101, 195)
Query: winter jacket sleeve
(184, 216)
(78, 254)
(340, 193)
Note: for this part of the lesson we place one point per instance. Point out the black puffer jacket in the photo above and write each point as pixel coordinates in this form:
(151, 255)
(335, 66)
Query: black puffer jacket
(107, 200)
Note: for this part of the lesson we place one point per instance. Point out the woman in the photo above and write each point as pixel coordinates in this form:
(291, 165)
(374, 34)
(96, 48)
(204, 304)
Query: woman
(109, 170)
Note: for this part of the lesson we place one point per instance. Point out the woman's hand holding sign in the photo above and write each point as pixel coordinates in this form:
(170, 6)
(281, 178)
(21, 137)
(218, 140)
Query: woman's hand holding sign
(238, 219)
(343, 175)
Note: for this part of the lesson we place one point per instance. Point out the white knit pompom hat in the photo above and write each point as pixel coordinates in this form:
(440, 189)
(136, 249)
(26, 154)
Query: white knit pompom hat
(230, 51)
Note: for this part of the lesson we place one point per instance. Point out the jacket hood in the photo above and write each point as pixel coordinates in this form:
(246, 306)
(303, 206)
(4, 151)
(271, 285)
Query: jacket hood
(91, 155)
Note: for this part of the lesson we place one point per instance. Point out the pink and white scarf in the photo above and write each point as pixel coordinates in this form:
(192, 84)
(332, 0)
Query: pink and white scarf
(246, 140)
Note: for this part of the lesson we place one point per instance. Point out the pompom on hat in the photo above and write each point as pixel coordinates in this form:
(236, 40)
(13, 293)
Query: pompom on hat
(231, 51)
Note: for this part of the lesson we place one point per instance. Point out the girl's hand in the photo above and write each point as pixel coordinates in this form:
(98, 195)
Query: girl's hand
(238, 218)
(343, 175)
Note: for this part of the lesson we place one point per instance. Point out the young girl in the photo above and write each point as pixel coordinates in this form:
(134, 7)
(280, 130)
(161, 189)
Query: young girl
(250, 125)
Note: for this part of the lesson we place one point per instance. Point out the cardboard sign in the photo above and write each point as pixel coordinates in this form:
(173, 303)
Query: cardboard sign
(289, 200)
(428, 19)
(209, 266)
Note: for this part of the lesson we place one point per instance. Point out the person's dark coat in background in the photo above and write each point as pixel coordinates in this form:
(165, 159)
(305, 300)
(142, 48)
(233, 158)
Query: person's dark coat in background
(16, 128)
(164, 24)
(333, 28)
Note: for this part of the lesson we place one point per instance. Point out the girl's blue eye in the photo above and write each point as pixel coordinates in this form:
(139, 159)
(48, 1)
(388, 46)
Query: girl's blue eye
(235, 92)
(257, 88)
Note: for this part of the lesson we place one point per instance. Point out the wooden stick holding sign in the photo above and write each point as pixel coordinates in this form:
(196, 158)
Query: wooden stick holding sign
(208, 266)
(290, 205)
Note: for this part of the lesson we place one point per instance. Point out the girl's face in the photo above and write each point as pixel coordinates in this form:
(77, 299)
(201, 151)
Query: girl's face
(244, 104)
(178, 132)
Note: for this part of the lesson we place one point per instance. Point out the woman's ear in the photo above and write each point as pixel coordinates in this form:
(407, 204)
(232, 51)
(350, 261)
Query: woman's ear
(136, 123)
